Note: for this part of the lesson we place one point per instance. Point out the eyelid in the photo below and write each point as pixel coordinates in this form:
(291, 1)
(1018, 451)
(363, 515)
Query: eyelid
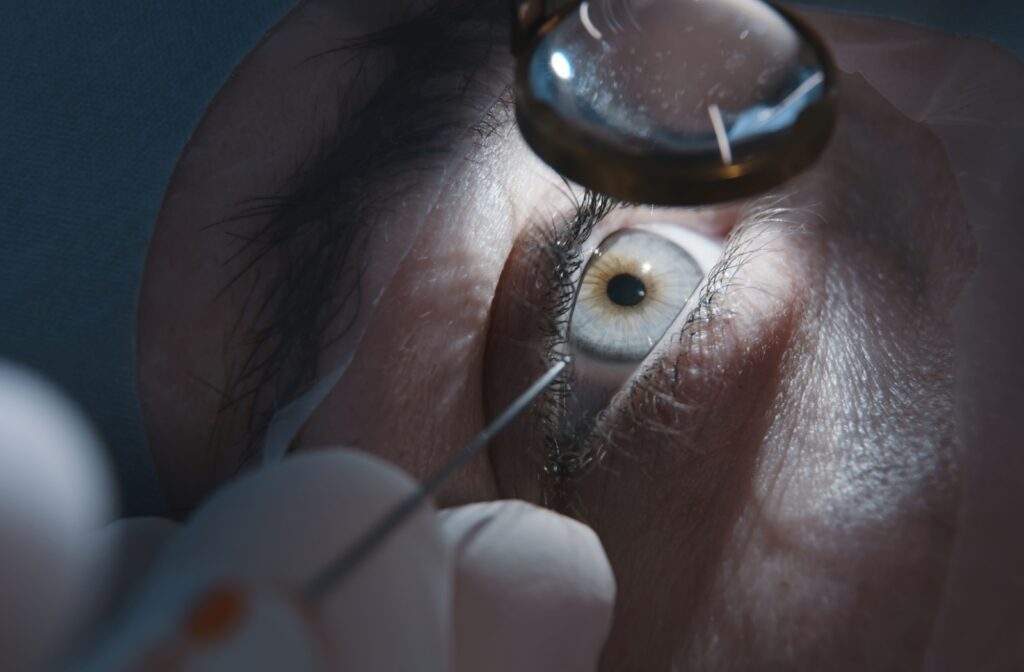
(742, 313)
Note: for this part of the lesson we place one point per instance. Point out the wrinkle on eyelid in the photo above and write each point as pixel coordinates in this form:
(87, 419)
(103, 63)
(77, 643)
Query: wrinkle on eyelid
(741, 311)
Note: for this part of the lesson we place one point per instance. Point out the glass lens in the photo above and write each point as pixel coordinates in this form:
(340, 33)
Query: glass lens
(715, 80)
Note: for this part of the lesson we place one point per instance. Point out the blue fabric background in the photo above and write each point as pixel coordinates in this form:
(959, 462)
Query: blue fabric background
(97, 100)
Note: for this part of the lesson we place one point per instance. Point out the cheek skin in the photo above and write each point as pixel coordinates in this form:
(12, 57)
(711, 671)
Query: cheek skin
(682, 450)
(792, 501)
(854, 506)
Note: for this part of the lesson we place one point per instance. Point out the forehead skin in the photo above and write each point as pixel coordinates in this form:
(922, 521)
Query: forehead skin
(426, 341)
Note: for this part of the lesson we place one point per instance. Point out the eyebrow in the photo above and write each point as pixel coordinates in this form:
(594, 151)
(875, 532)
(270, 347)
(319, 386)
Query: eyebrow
(308, 256)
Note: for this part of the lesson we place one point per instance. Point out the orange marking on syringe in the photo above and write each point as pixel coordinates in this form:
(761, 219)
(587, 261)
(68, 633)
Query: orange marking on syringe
(217, 615)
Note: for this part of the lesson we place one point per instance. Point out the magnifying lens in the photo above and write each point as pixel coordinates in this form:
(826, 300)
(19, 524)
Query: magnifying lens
(672, 102)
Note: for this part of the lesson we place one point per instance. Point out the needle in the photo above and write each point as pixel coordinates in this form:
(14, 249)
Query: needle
(340, 568)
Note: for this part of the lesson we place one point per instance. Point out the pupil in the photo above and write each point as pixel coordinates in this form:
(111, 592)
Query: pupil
(626, 290)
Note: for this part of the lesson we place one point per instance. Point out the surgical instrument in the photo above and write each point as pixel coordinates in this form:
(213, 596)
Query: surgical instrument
(380, 531)
(672, 102)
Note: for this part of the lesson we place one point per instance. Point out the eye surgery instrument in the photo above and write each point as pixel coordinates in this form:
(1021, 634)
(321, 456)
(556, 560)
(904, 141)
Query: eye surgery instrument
(671, 102)
(382, 529)
(230, 620)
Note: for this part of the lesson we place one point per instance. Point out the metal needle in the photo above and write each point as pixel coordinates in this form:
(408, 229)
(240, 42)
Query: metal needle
(379, 532)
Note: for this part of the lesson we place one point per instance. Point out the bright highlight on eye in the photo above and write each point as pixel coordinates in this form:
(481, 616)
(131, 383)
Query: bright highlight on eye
(560, 65)
(632, 289)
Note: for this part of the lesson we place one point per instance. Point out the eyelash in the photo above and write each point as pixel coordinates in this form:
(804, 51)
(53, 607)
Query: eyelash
(569, 450)
(561, 243)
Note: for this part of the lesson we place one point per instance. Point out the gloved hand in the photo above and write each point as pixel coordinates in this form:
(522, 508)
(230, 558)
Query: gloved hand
(55, 492)
(494, 586)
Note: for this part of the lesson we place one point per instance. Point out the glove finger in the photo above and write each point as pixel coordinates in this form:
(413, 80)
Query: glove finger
(55, 491)
(281, 526)
(533, 589)
(133, 546)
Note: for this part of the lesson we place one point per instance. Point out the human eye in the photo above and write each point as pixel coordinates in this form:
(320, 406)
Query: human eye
(604, 285)
(634, 285)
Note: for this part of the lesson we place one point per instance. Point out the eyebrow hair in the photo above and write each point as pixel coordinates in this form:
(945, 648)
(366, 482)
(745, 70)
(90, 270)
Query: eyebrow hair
(307, 258)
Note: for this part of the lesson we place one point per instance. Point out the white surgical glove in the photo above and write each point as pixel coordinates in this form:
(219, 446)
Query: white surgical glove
(487, 587)
(495, 586)
(55, 492)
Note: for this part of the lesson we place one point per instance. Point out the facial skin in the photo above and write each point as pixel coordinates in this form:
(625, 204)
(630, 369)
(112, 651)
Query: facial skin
(783, 483)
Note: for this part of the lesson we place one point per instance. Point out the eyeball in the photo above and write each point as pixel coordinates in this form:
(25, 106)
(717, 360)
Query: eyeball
(633, 287)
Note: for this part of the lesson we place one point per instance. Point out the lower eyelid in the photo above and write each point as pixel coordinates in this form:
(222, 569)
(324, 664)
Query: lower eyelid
(714, 336)
(601, 381)
(520, 325)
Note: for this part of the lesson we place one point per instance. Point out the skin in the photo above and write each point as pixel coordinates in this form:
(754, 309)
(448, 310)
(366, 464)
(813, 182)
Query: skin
(800, 480)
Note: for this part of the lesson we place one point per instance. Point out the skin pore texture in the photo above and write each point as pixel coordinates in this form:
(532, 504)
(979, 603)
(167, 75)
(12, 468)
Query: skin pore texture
(805, 471)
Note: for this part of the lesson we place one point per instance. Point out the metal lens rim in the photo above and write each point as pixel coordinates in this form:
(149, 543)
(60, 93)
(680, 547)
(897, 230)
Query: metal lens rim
(666, 178)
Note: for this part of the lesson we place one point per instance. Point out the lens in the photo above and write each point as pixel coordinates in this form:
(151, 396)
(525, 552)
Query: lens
(721, 85)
